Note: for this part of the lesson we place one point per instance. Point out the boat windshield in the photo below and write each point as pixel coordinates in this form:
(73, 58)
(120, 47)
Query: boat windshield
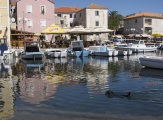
(138, 42)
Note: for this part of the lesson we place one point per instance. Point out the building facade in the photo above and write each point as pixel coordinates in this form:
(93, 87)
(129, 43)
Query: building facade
(64, 16)
(34, 15)
(4, 18)
(91, 17)
(143, 23)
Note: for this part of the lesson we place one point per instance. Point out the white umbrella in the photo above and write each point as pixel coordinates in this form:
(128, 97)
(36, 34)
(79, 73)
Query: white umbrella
(78, 30)
(102, 30)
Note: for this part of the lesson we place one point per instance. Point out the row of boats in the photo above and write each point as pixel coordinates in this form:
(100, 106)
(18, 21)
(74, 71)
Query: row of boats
(32, 50)
(76, 49)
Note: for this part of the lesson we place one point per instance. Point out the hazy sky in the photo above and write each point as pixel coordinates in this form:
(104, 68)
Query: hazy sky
(124, 7)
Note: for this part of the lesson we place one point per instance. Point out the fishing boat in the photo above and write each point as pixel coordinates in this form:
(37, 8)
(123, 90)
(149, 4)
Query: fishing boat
(77, 49)
(32, 50)
(151, 61)
(137, 46)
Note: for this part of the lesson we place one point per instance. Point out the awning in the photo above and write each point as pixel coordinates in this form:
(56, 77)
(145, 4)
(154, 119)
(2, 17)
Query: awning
(78, 30)
(157, 34)
(53, 29)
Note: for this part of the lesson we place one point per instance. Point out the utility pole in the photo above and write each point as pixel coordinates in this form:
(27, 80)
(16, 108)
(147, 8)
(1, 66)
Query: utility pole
(8, 25)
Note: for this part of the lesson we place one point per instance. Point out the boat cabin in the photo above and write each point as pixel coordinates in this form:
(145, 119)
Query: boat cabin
(31, 46)
(77, 45)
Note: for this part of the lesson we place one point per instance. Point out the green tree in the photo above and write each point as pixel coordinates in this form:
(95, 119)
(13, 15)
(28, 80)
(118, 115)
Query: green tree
(114, 20)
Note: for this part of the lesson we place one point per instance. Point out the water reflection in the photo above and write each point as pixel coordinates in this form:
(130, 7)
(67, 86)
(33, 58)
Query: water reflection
(6, 90)
(150, 72)
(78, 85)
(34, 86)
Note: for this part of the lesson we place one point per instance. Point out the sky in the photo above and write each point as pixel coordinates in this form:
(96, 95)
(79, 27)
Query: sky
(123, 7)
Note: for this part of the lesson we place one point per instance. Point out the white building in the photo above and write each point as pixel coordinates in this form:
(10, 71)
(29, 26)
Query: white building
(64, 16)
(144, 23)
(91, 17)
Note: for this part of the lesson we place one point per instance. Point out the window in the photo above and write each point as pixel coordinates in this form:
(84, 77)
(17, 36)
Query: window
(136, 21)
(75, 16)
(70, 15)
(97, 23)
(42, 9)
(59, 15)
(29, 8)
(42, 23)
(71, 24)
(96, 13)
(148, 21)
(29, 23)
(61, 22)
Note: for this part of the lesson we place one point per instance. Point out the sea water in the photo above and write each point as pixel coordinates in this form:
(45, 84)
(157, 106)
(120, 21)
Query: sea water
(74, 89)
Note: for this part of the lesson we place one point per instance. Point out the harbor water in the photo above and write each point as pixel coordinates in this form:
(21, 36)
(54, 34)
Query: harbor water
(74, 89)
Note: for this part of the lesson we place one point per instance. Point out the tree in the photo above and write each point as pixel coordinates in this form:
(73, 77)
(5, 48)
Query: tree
(114, 20)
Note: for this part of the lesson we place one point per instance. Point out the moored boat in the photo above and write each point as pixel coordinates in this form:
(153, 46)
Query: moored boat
(138, 46)
(56, 53)
(100, 51)
(76, 49)
(151, 61)
(32, 50)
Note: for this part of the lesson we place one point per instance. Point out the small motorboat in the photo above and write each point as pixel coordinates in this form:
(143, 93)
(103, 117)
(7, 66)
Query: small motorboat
(56, 53)
(102, 51)
(151, 61)
(137, 46)
(77, 49)
(32, 50)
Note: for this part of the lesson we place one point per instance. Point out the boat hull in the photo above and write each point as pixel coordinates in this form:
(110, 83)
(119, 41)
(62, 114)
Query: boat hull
(152, 62)
(32, 55)
(110, 53)
(56, 53)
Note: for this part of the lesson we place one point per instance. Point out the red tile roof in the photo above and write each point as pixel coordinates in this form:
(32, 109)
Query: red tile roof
(95, 6)
(144, 14)
(67, 9)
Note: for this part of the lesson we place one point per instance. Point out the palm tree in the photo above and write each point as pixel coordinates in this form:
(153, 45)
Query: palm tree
(114, 20)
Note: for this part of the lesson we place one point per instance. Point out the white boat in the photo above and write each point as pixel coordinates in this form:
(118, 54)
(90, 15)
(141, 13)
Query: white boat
(124, 52)
(114, 52)
(151, 61)
(101, 51)
(32, 50)
(76, 49)
(56, 53)
(137, 46)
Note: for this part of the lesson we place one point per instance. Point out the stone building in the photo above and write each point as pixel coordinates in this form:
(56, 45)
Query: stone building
(143, 23)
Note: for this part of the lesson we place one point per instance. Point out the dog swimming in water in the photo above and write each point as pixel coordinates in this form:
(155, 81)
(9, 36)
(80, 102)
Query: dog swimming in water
(110, 93)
